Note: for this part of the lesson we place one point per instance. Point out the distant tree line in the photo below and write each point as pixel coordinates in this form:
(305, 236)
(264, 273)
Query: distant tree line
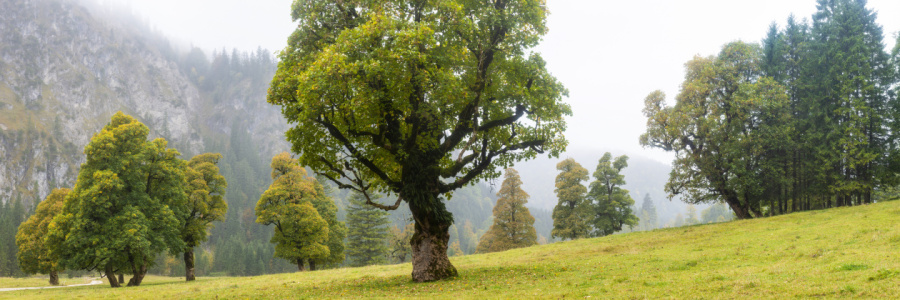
(807, 120)
(12, 214)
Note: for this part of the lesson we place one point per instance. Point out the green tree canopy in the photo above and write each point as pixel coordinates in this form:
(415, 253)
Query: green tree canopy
(418, 99)
(34, 255)
(205, 189)
(570, 216)
(849, 84)
(513, 225)
(729, 130)
(367, 235)
(610, 202)
(126, 206)
(301, 233)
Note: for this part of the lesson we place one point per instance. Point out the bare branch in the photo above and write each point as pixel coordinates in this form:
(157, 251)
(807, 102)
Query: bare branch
(337, 134)
(485, 162)
(382, 206)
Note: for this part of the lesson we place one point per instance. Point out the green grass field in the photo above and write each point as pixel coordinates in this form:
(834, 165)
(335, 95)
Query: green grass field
(6, 282)
(836, 253)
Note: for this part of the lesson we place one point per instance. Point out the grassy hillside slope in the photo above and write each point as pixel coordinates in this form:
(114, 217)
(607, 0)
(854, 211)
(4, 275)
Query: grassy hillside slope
(844, 252)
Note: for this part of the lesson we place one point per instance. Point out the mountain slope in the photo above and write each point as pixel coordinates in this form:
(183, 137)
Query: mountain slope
(843, 252)
(67, 66)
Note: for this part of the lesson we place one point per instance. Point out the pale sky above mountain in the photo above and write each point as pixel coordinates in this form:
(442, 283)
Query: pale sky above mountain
(609, 54)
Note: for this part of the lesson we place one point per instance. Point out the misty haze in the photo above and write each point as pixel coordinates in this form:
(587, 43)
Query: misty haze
(453, 149)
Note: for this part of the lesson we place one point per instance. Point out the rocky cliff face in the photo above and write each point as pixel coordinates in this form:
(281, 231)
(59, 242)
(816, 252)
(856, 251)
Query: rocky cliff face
(65, 69)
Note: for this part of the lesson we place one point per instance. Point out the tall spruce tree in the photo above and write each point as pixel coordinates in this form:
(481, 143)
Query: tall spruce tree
(649, 216)
(12, 214)
(850, 85)
(513, 225)
(570, 216)
(367, 233)
(337, 230)
(610, 203)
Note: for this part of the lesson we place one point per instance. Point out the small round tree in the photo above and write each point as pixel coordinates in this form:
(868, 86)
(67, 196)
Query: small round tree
(34, 255)
(292, 204)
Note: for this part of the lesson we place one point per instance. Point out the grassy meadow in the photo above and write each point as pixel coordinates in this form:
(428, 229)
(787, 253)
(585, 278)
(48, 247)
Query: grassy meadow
(836, 253)
(33, 281)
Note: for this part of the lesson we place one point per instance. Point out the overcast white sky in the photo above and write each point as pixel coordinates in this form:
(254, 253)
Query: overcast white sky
(609, 54)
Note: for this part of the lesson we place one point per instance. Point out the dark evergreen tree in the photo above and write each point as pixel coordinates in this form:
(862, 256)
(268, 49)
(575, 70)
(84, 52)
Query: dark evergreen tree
(850, 81)
(337, 230)
(648, 214)
(367, 233)
(12, 214)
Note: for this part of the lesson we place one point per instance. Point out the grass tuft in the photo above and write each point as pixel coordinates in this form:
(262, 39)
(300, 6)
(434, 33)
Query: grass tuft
(883, 274)
(852, 267)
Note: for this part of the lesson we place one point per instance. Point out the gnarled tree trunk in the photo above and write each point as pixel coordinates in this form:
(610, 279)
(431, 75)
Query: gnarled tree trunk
(139, 271)
(111, 276)
(121, 278)
(189, 265)
(739, 211)
(300, 265)
(312, 265)
(430, 240)
(54, 277)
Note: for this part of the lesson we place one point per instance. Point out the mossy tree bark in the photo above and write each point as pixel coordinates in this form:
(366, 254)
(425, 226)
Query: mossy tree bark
(139, 270)
(431, 237)
(189, 265)
(54, 278)
(111, 277)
